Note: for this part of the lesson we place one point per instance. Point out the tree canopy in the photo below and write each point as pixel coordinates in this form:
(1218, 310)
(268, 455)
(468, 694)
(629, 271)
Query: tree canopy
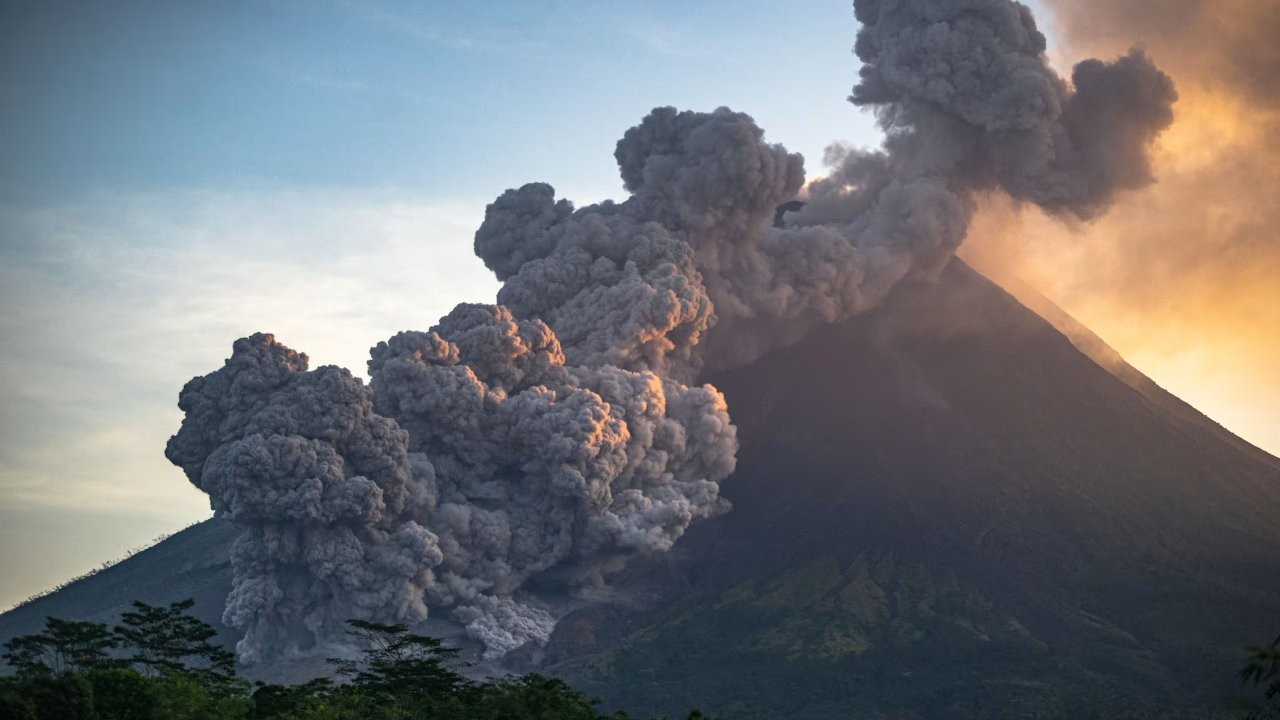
(161, 663)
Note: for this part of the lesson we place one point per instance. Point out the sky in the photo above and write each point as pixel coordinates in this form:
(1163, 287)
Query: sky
(1183, 278)
(174, 176)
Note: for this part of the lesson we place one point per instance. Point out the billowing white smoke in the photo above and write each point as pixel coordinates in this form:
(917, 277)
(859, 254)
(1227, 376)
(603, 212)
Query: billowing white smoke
(556, 434)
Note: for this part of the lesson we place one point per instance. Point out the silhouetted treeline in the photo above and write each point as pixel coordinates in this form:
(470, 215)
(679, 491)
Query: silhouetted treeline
(160, 663)
(1263, 672)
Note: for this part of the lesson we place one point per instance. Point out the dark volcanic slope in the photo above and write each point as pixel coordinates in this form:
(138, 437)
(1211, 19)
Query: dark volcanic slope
(942, 510)
(945, 509)
(194, 563)
(1087, 342)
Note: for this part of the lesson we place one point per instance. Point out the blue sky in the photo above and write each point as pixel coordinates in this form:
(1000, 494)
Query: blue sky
(446, 98)
(177, 175)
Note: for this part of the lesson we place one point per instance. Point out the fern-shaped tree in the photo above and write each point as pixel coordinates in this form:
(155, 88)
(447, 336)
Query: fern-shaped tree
(169, 639)
(63, 646)
(1263, 671)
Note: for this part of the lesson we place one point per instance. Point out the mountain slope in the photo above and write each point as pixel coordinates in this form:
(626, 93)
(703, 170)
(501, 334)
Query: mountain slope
(942, 509)
(945, 509)
(194, 563)
(1096, 349)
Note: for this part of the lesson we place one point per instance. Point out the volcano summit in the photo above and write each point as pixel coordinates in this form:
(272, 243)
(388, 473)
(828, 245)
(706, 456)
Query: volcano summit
(759, 461)
(552, 437)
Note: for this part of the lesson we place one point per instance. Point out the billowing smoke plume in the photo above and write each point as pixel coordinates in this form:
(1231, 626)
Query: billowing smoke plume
(968, 102)
(556, 434)
(541, 467)
(325, 488)
(488, 461)
(1180, 279)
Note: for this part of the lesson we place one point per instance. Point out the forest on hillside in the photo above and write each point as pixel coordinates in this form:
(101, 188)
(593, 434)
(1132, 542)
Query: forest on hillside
(161, 663)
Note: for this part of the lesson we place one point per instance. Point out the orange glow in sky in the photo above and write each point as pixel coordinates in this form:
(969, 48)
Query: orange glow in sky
(1182, 278)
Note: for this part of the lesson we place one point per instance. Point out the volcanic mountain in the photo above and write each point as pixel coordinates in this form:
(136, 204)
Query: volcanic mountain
(942, 508)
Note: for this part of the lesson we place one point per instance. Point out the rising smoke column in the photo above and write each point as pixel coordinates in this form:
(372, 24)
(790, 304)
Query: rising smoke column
(968, 102)
(325, 489)
(558, 433)
(501, 463)
(543, 467)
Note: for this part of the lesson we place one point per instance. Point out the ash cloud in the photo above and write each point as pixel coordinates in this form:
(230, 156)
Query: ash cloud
(560, 432)
(324, 488)
(1228, 42)
(1180, 279)
(543, 467)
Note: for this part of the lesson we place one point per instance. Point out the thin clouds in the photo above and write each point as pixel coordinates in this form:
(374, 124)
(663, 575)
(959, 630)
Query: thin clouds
(419, 28)
(662, 38)
(508, 31)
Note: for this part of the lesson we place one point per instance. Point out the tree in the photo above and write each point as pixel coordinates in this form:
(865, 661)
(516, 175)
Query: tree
(122, 693)
(67, 673)
(536, 698)
(63, 646)
(1263, 671)
(14, 703)
(64, 696)
(167, 638)
(290, 701)
(405, 668)
(181, 696)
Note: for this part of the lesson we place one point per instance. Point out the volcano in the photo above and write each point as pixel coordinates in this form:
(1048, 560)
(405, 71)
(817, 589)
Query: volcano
(941, 508)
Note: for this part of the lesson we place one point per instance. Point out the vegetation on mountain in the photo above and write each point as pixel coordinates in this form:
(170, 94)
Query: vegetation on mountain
(941, 511)
(879, 638)
(160, 663)
(1263, 673)
(944, 510)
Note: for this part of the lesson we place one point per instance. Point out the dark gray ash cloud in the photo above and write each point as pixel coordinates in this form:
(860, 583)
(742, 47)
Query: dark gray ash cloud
(325, 490)
(561, 431)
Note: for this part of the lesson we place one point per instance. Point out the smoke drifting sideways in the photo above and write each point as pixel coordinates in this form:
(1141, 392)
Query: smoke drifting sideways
(545, 440)
(1179, 279)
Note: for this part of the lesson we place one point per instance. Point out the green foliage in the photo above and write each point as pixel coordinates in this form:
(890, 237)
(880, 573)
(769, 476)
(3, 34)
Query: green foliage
(121, 693)
(1263, 672)
(872, 636)
(406, 668)
(297, 701)
(172, 670)
(14, 703)
(534, 696)
(181, 696)
(169, 639)
(66, 696)
(63, 646)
